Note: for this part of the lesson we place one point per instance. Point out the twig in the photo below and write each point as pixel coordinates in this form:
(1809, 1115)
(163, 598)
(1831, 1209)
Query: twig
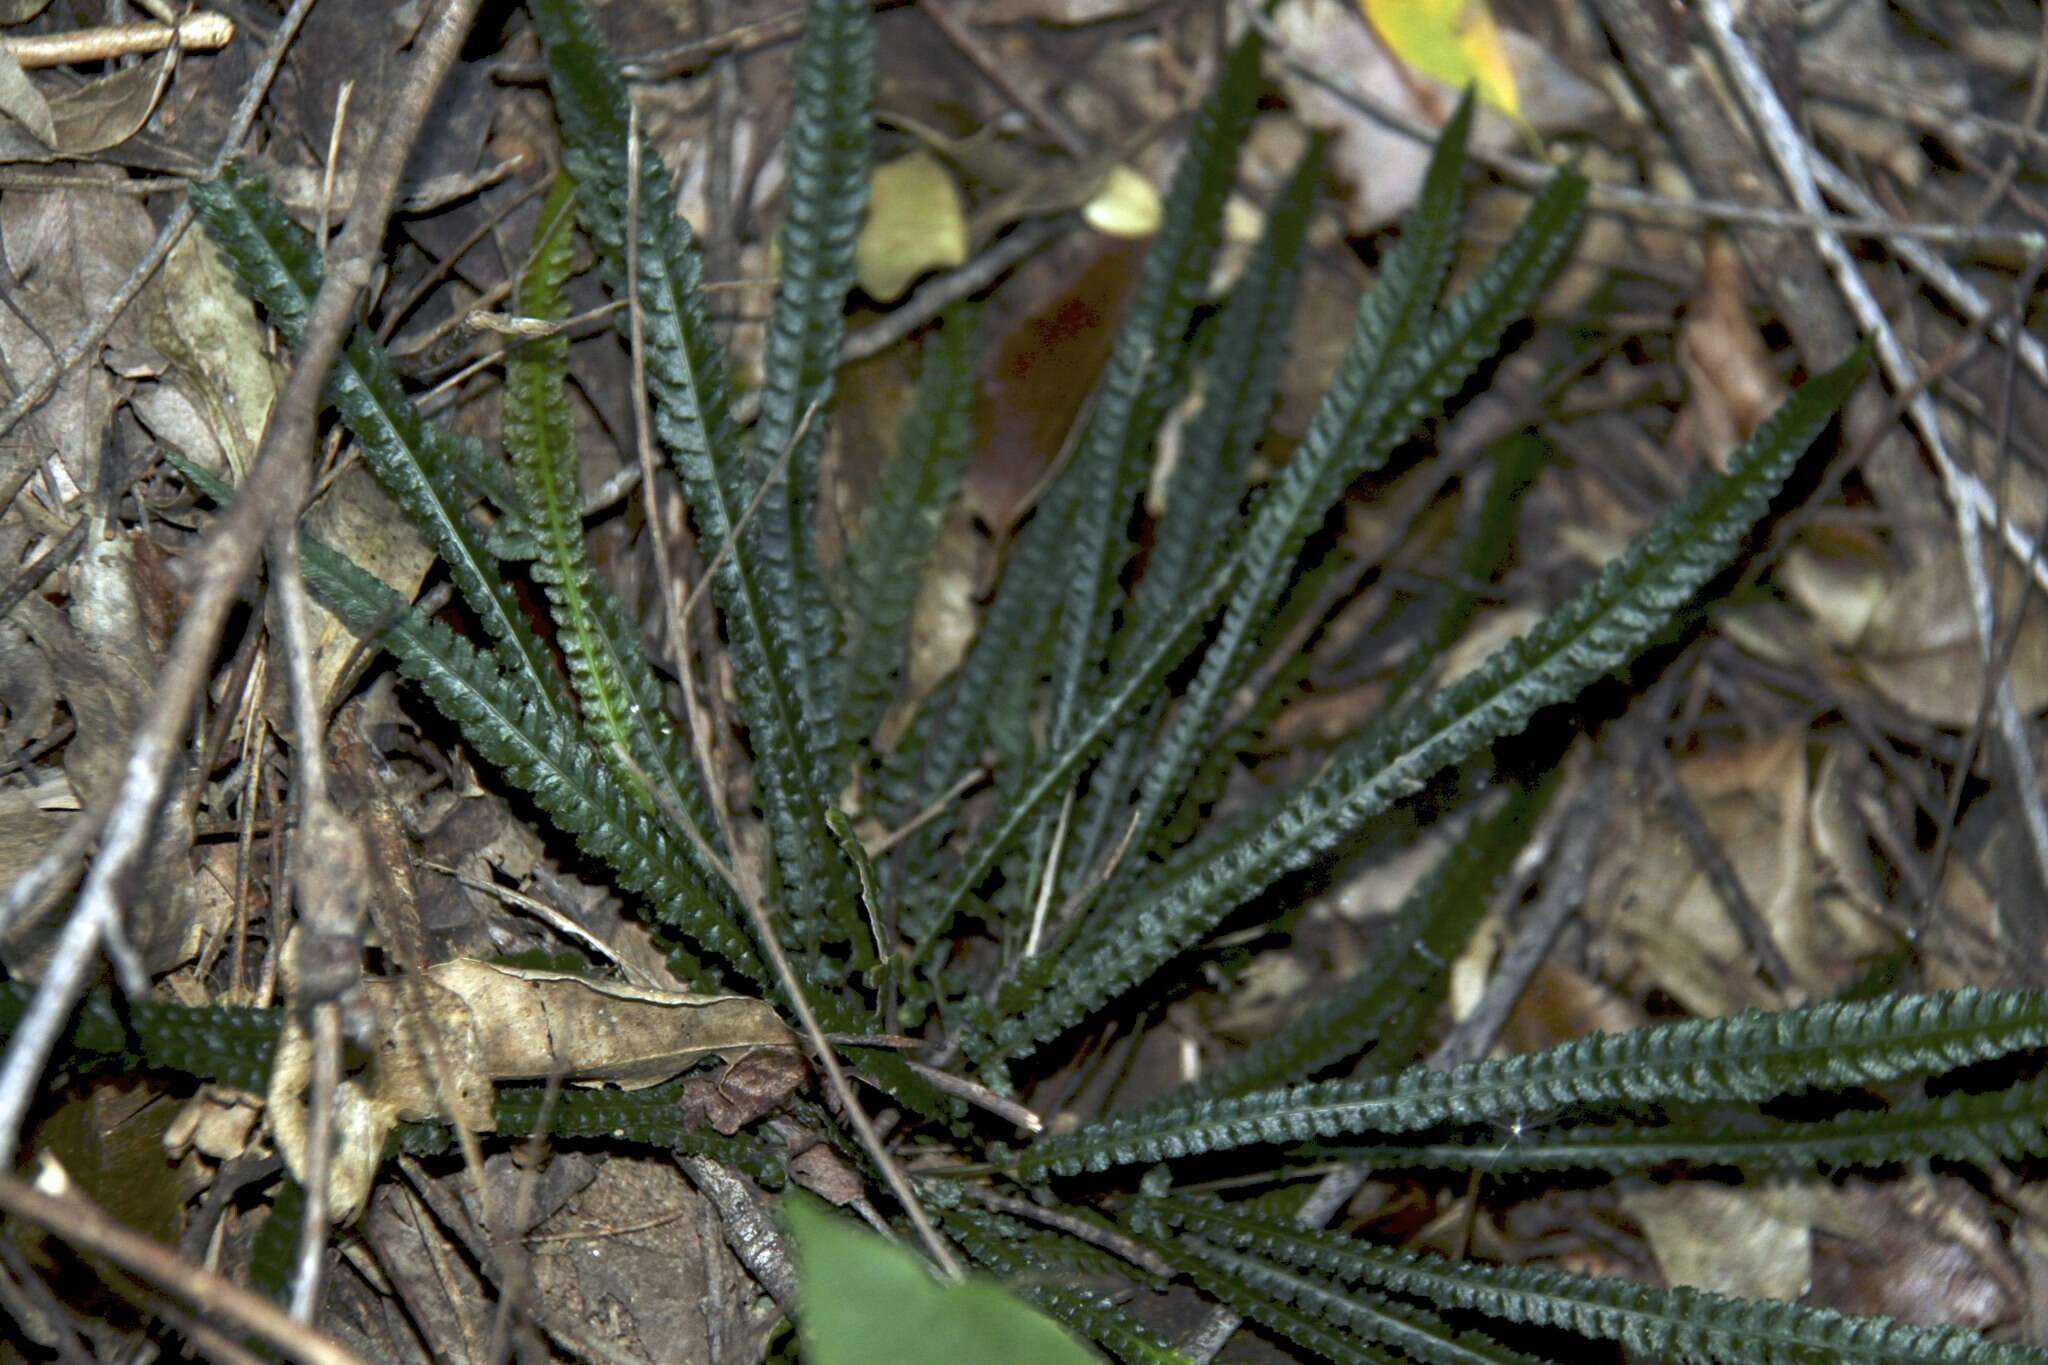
(1788, 149)
(273, 492)
(195, 33)
(928, 814)
(87, 1226)
(749, 1231)
(979, 1096)
(548, 915)
(1633, 203)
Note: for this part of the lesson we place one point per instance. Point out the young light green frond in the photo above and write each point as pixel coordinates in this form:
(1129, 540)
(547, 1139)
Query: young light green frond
(1676, 1324)
(1981, 1128)
(686, 373)
(1400, 367)
(1603, 626)
(1388, 1003)
(1137, 387)
(1413, 1333)
(827, 155)
(569, 778)
(885, 564)
(619, 697)
(1749, 1056)
(421, 464)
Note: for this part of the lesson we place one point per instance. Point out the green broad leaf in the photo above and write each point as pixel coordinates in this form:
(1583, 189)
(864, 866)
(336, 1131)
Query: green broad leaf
(862, 1301)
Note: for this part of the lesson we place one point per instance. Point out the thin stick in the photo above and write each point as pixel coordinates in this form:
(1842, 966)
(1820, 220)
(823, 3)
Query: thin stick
(1788, 149)
(1633, 203)
(87, 1226)
(928, 814)
(274, 491)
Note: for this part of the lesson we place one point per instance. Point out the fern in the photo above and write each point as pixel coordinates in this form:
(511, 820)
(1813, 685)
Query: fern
(416, 460)
(885, 564)
(2010, 1123)
(1748, 1056)
(1287, 1300)
(692, 417)
(1388, 1003)
(827, 157)
(1604, 625)
(1683, 1324)
(620, 701)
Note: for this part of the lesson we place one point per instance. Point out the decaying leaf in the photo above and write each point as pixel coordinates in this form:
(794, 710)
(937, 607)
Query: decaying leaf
(916, 222)
(1453, 40)
(446, 1036)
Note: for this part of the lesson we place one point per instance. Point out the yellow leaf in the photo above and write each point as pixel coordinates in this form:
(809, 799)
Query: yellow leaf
(1454, 41)
(916, 222)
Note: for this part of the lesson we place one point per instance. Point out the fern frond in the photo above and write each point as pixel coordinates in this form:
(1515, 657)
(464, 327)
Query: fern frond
(885, 564)
(692, 416)
(1277, 1315)
(825, 195)
(1399, 368)
(230, 1044)
(547, 756)
(1134, 395)
(1387, 1004)
(620, 700)
(569, 778)
(419, 462)
(1092, 1314)
(1414, 1333)
(1980, 1128)
(1683, 1324)
(1748, 1056)
(1602, 626)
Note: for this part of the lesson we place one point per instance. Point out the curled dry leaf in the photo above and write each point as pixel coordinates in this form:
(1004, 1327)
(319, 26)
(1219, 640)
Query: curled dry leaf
(446, 1036)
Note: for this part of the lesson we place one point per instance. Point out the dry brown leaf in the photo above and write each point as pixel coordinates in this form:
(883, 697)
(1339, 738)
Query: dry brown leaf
(1921, 651)
(23, 102)
(1751, 1243)
(449, 1034)
(1731, 384)
(107, 111)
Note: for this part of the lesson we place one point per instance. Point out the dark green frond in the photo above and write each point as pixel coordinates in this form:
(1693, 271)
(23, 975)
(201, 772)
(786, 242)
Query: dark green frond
(885, 565)
(1388, 1003)
(1109, 465)
(687, 380)
(1679, 1324)
(1400, 367)
(422, 465)
(1413, 1333)
(1748, 1056)
(1983, 1128)
(1604, 625)
(228, 1044)
(825, 194)
(1089, 1312)
(568, 777)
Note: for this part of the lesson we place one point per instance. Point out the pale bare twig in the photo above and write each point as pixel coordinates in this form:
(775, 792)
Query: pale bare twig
(87, 1226)
(273, 492)
(1788, 149)
(204, 32)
